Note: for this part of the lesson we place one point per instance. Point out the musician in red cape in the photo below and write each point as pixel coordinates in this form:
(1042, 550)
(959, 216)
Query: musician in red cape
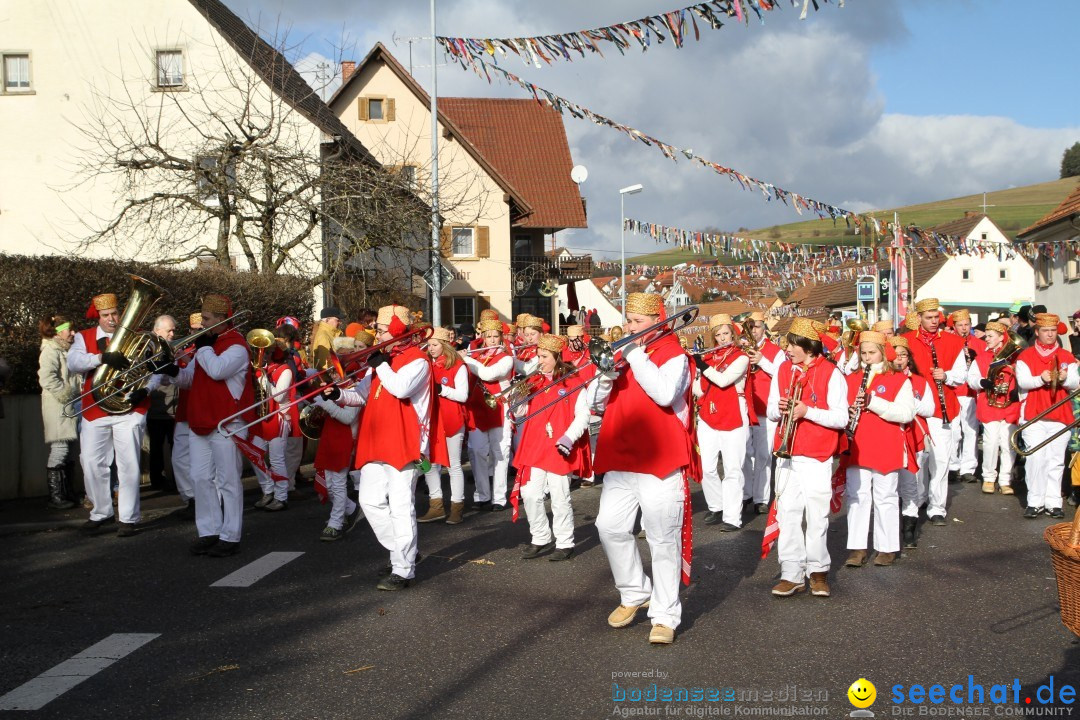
(1045, 373)
(966, 429)
(553, 446)
(884, 404)
(911, 482)
(218, 377)
(804, 480)
(489, 427)
(487, 314)
(722, 423)
(647, 454)
(576, 355)
(393, 441)
(997, 409)
(925, 343)
(530, 328)
(452, 385)
(765, 359)
(274, 433)
(104, 436)
(334, 455)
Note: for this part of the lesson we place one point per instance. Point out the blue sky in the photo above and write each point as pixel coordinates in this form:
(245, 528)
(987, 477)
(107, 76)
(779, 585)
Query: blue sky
(878, 104)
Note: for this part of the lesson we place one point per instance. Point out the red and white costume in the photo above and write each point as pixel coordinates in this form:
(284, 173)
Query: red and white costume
(757, 467)
(333, 458)
(394, 434)
(878, 452)
(218, 380)
(913, 479)
(722, 430)
(1043, 469)
(646, 452)
(103, 437)
(966, 427)
(272, 435)
(489, 428)
(804, 481)
(998, 424)
(452, 386)
(943, 439)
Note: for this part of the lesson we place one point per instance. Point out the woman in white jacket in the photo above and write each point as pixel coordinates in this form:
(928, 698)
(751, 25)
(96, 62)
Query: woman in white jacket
(58, 387)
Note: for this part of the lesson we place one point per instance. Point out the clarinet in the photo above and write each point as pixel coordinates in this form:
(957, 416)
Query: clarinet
(853, 423)
(940, 389)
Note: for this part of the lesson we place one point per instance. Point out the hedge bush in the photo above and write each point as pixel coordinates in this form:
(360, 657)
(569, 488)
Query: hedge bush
(37, 286)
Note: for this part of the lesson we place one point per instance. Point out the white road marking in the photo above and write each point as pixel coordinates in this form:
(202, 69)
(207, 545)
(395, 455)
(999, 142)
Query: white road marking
(253, 572)
(51, 684)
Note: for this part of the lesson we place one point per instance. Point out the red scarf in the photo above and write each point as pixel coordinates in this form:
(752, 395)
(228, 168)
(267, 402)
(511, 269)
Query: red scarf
(927, 338)
(1045, 351)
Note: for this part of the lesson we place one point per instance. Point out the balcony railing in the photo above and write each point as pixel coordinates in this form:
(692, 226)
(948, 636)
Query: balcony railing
(580, 268)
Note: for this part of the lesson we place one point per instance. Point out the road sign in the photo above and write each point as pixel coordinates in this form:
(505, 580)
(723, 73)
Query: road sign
(445, 276)
(865, 291)
(884, 286)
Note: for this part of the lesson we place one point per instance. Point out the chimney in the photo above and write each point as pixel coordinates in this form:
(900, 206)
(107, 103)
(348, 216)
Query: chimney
(348, 67)
(970, 213)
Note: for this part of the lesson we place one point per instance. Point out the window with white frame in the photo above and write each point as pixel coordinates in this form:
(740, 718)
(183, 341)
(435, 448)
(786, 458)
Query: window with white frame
(983, 236)
(1072, 270)
(1003, 273)
(17, 73)
(1043, 272)
(965, 274)
(170, 68)
(463, 242)
(464, 310)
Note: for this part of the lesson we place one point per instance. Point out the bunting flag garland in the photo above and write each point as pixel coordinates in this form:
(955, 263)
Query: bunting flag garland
(560, 104)
(675, 24)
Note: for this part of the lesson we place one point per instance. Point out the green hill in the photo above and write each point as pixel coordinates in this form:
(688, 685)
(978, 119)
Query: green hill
(1013, 210)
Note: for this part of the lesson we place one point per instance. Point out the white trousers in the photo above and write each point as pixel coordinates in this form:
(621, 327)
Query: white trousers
(541, 483)
(433, 478)
(340, 502)
(996, 445)
(386, 497)
(723, 495)
(216, 463)
(181, 461)
(102, 440)
(803, 492)
(757, 467)
(491, 462)
(937, 465)
(661, 503)
(965, 429)
(1043, 469)
(868, 488)
(294, 455)
(912, 487)
(276, 462)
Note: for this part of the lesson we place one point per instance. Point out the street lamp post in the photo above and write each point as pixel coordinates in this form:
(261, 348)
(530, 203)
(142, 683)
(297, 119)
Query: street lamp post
(632, 190)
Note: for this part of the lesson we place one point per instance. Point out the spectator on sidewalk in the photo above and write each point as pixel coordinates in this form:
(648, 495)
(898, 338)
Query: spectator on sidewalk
(161, 417)
(58, 388)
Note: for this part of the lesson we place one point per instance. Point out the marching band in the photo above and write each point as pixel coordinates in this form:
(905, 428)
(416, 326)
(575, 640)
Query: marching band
(789, 426)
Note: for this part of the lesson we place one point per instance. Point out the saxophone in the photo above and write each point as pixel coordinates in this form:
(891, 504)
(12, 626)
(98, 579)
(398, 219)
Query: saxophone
(787, 422)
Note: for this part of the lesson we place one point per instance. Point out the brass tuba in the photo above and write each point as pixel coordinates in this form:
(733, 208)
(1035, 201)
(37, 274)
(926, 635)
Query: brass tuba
(258, 341)
(312, 419)
(851, 335)
(132, 344)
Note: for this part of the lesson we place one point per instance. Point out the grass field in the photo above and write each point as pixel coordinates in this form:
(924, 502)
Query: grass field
(1012, 211)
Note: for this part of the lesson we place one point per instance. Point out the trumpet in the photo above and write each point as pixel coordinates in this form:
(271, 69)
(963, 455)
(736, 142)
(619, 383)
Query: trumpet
(787, 422)
(602, 357)
(512, 393)
(258, 341)
(1025, 452)
(335, 369)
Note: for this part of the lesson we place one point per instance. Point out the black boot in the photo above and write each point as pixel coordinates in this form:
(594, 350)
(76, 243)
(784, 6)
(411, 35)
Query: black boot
(910, 540)
(57, 499)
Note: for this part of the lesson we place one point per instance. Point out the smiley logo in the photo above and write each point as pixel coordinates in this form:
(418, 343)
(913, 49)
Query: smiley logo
(862, 693)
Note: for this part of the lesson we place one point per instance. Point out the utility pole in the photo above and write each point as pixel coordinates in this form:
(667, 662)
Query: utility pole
(436, 282)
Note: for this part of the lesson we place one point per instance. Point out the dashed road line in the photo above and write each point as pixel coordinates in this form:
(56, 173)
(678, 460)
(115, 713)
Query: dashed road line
(253, 572)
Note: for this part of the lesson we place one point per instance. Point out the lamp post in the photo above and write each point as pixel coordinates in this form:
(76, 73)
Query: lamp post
(632, 190)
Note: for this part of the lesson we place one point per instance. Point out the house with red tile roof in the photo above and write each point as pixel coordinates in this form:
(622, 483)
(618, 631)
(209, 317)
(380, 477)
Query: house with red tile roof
(1056, 267)
(504, 183)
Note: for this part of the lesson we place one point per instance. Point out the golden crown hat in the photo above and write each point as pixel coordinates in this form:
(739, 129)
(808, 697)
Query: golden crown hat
(217, 304)
(884, 326)
(911, 321)
(573, 331)
(805, 327)
(194, 320)
(926, 305)
(1044, 320)
(388, 312)
(870, 336)
(105, 301)
(489, 325)
(551, 343)
(441, 334)
(960, 315)
(899, 341)
(365, 337)
(997, 327)
(489, 314)
(531, 321)
(757, 316)
(641, 303)
(720, 319)
(520, 318)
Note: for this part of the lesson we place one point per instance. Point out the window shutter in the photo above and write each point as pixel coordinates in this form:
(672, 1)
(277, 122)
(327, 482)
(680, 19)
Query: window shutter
(445, 240)
(483, 245)
(484, 302)
(362, 108)
(390, 110)
(447, 306)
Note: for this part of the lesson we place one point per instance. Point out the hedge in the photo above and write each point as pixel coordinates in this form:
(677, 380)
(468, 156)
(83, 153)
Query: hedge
(37, 286)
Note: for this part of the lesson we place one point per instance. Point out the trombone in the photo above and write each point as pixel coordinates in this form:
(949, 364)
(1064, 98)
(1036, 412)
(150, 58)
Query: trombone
(602, 356)
(336, 367)
(162, 355)
(512, 393)
(1025, 452)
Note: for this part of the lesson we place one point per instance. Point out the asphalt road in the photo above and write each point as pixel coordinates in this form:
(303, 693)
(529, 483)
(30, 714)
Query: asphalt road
(484, 634)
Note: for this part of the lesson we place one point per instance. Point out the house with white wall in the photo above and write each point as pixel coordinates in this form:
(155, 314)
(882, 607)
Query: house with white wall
(68, 65)
(1052, 246)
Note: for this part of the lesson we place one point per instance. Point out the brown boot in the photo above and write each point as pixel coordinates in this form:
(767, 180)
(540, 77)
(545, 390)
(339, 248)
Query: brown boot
(456, 511)
(819, 584)
(435, 511)
(857, 558)
(885, 559)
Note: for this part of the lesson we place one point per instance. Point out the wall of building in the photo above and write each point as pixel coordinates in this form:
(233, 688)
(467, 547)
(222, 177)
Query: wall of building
(468, 195)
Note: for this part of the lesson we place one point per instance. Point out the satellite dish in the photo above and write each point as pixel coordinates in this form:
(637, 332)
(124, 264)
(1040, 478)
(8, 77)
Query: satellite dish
(579, 174)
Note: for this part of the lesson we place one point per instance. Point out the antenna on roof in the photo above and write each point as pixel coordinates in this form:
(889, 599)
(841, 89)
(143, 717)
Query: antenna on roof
(984, 205)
